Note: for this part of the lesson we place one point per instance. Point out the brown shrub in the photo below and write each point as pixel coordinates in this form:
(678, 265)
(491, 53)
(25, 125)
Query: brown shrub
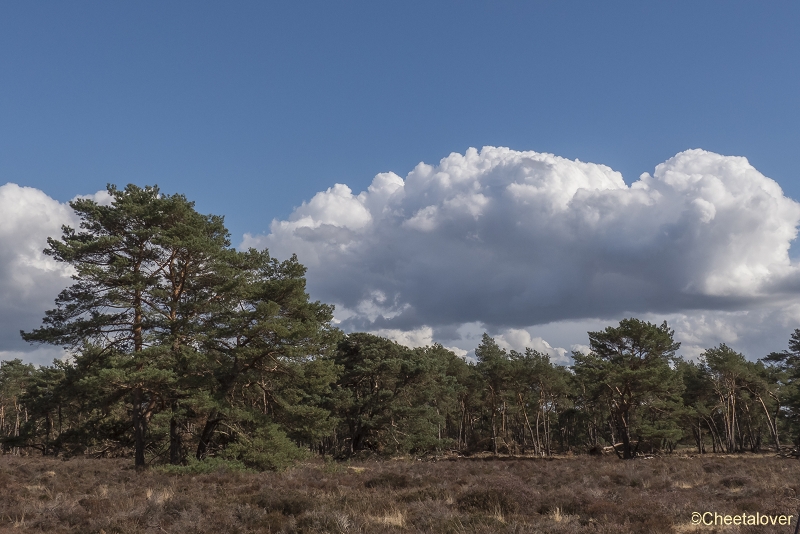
(388, 480)
(487, 500)
(95, 505)
(423, 495)
(285, 503)
(734, 482)
(603, 510)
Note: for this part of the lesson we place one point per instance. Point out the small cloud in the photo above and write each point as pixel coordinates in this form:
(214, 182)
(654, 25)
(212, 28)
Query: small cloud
(37, 356)
(102, 197)
(583, 349)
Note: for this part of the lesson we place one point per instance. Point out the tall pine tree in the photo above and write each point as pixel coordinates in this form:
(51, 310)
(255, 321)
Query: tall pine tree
(144, 274)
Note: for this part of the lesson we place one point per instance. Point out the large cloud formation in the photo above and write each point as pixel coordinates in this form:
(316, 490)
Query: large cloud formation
(533, 248)
(508, 240)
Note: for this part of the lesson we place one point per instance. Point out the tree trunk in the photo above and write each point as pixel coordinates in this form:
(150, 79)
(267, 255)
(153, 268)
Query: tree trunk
(494, 424)
(462, 428)
(614, 442)
(547, 436)
(627, 451)
(208, 432)
(175, 456)
(138, 416)
(139, 428)
(528, 423)
(772, 424)
(698, 437)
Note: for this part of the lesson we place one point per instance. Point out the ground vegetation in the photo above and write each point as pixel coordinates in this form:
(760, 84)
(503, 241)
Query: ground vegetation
(482, 494)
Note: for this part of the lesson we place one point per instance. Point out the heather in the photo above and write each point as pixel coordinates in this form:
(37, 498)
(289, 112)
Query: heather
(458, 495)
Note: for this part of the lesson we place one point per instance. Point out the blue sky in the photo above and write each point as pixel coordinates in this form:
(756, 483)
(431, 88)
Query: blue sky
(253, 108)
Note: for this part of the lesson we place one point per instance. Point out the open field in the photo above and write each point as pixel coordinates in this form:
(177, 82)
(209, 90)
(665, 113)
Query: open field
(572, 494)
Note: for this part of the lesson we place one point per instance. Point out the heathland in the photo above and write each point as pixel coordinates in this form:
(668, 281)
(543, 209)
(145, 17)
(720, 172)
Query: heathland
(458, 495)
(206, 392)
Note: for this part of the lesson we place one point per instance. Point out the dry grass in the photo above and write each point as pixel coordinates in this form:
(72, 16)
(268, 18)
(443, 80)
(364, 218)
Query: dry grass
(577, 494)
(395, 518)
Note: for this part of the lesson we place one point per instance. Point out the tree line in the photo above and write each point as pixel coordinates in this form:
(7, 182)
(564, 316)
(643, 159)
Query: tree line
(185, 349)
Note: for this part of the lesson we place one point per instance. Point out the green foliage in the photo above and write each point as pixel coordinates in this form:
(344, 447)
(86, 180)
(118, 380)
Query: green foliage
(524, 394)
(175, 329)
(741, 398)
(264, 352)
(15, 378)
(266, 448)
(783, 371)
(393, 399)
(630, 369)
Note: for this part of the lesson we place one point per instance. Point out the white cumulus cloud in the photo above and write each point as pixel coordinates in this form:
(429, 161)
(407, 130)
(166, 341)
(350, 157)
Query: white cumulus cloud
(512, 240)
(533, 248)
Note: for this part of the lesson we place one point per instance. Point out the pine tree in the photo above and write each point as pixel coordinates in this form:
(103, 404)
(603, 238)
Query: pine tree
(141, 266)
(630, 369)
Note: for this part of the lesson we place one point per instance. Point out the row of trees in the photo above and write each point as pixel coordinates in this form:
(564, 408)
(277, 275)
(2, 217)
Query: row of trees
(184, 348)
(630, 394)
